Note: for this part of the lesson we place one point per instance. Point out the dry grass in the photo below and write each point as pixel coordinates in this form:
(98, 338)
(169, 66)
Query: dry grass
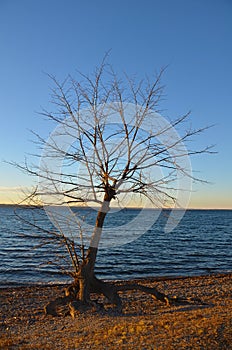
(144, 324)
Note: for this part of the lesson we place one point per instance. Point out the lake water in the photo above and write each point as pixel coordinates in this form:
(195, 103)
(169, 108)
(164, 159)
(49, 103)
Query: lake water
(200, 244)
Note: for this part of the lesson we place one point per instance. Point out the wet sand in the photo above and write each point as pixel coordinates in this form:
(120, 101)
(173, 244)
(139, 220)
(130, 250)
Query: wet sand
(144, 324)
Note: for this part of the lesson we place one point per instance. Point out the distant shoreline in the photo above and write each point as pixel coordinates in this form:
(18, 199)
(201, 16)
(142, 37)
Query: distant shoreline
(127, 208)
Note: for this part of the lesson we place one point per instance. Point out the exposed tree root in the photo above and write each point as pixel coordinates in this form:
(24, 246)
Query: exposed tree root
(75, 305)
(51, 307)
(155, 294)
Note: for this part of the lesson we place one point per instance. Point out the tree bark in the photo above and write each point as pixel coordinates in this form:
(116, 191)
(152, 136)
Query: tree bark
(86, 277)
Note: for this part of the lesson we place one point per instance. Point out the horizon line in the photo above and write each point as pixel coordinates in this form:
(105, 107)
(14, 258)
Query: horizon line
(132, 207)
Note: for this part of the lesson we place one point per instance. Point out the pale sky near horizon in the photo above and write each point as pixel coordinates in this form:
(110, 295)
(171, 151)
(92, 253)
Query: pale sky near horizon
(192, 37)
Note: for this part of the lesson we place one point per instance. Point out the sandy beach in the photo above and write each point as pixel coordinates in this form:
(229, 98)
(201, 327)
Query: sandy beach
(144, 324)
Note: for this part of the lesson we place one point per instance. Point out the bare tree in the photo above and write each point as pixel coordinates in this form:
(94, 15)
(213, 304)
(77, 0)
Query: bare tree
(108, 143)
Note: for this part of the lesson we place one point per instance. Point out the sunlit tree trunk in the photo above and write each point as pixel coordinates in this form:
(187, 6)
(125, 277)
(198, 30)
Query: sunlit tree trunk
(86, 277)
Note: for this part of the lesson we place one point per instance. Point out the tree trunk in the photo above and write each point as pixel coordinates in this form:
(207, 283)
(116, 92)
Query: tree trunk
(86, 277)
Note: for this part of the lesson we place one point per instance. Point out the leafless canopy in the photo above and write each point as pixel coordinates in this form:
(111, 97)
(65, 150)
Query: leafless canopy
(117, 143)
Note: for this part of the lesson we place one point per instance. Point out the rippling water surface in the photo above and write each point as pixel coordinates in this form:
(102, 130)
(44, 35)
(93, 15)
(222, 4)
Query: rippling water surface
(200, 244)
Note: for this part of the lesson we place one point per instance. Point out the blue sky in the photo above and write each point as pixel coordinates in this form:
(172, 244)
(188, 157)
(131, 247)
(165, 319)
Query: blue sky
(192, 37)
